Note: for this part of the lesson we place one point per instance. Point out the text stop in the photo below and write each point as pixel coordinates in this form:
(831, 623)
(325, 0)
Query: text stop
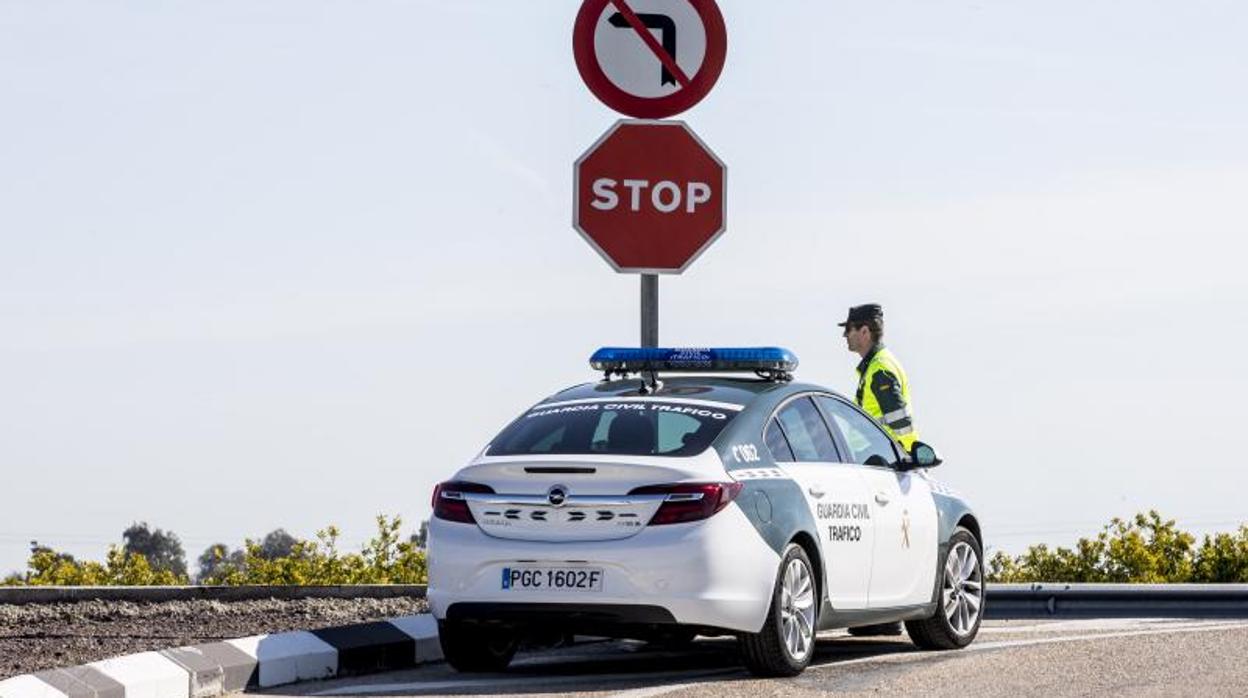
(665, 196)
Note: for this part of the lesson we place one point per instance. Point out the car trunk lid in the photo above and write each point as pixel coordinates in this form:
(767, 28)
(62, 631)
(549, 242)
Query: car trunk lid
(576, 499)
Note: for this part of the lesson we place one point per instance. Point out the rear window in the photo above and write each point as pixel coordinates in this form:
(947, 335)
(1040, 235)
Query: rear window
(636, 428)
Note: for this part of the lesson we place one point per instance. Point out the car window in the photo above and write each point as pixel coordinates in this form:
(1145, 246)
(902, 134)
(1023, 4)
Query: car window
(649, 428)
(674, 429)
(777, 444)
(808, 436)
(867, 443)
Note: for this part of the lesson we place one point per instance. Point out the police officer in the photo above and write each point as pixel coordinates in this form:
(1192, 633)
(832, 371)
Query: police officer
(883, 393)
(883, 390)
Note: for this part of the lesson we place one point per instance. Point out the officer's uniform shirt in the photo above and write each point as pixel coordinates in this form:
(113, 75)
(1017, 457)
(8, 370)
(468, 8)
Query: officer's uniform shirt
(884, 393)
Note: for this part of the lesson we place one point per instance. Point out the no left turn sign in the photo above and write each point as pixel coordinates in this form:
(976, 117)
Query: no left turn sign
(650, 59)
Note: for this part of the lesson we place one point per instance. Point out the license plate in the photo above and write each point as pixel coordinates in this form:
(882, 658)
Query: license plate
(554, 578)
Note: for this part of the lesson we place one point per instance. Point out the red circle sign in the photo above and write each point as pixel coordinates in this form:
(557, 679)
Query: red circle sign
(637, 73)
(649, 196)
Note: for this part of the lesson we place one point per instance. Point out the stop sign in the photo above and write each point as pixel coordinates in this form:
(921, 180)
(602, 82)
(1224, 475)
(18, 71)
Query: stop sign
(649, 196)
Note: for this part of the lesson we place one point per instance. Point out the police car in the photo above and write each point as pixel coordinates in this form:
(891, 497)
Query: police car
(677, 498)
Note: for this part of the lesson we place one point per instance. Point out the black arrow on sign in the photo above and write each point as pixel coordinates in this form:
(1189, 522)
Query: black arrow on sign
(667, 35)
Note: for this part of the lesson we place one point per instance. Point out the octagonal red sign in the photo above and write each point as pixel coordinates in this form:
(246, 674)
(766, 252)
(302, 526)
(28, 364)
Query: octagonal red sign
(649, 196)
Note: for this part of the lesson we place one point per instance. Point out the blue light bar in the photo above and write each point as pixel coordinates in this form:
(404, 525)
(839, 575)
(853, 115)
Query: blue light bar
(630, 360)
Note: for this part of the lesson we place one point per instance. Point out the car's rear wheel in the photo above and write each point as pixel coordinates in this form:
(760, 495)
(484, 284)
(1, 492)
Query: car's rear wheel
(787, 641)
(472, 647)
(960, 605)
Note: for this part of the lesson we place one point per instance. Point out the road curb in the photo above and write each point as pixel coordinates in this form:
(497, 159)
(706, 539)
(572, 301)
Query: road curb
(232, 666)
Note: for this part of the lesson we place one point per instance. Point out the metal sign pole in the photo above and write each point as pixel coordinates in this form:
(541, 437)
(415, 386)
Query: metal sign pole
(649, 310)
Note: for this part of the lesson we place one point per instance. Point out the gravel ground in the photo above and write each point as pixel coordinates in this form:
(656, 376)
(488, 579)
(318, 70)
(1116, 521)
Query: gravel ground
(43, 636)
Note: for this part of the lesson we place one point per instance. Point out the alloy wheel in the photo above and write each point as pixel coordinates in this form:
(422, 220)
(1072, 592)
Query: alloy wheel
(963, 590)
(797, 609)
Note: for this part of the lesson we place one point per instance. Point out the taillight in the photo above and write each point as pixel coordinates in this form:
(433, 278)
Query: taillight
(690, 501)
(449, 503)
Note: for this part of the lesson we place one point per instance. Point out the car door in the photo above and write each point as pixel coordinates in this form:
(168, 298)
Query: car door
(902, 509)
(802, 445)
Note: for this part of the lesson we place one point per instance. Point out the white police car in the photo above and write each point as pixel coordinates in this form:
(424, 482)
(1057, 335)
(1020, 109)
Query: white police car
(666, 506)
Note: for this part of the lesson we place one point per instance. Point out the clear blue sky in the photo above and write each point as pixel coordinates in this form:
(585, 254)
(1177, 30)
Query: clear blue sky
(290, 263)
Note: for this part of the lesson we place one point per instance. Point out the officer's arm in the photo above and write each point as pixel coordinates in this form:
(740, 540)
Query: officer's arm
(896, 413)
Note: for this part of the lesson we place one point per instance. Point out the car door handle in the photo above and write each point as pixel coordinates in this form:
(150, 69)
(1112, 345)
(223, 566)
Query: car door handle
(816, 493)
(881, 498)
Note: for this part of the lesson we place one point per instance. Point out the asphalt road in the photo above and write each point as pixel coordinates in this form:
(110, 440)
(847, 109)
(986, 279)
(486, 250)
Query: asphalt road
(1010, 658)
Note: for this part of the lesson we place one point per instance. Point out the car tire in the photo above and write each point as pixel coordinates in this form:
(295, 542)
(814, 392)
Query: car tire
(474, 648)
(960, 602)
(786, 643)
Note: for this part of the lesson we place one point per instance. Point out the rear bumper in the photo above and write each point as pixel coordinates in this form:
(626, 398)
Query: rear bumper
(535, 613)
(715, 573)
(609, 620)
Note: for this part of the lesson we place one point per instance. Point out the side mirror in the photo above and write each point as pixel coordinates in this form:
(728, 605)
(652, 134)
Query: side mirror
(924, 456)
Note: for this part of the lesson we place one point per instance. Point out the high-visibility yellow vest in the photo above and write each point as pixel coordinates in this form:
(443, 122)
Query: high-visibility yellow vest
(884, 393)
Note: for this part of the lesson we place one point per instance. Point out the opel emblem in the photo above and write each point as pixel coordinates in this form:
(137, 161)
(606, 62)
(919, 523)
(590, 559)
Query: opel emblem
(557, 495)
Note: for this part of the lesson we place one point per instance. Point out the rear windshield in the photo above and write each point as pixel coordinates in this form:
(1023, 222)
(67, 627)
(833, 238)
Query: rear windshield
(638, 428)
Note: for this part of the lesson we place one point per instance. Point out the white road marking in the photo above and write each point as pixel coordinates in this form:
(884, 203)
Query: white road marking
(1002, 644)
(510, 682)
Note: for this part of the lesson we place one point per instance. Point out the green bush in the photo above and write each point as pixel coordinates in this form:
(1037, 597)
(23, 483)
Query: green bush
(386, 559)
(50, 568)
(1145, 549)
(1222, 558)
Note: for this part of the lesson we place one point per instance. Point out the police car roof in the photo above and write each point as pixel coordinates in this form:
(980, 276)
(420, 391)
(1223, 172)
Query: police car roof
(738, 390)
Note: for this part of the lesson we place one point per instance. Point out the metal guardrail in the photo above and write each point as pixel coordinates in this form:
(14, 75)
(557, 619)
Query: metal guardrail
(1019, 601)
(1004, 601)
(48, 594)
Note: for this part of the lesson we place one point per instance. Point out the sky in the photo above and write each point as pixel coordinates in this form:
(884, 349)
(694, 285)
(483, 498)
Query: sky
(291, 263)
